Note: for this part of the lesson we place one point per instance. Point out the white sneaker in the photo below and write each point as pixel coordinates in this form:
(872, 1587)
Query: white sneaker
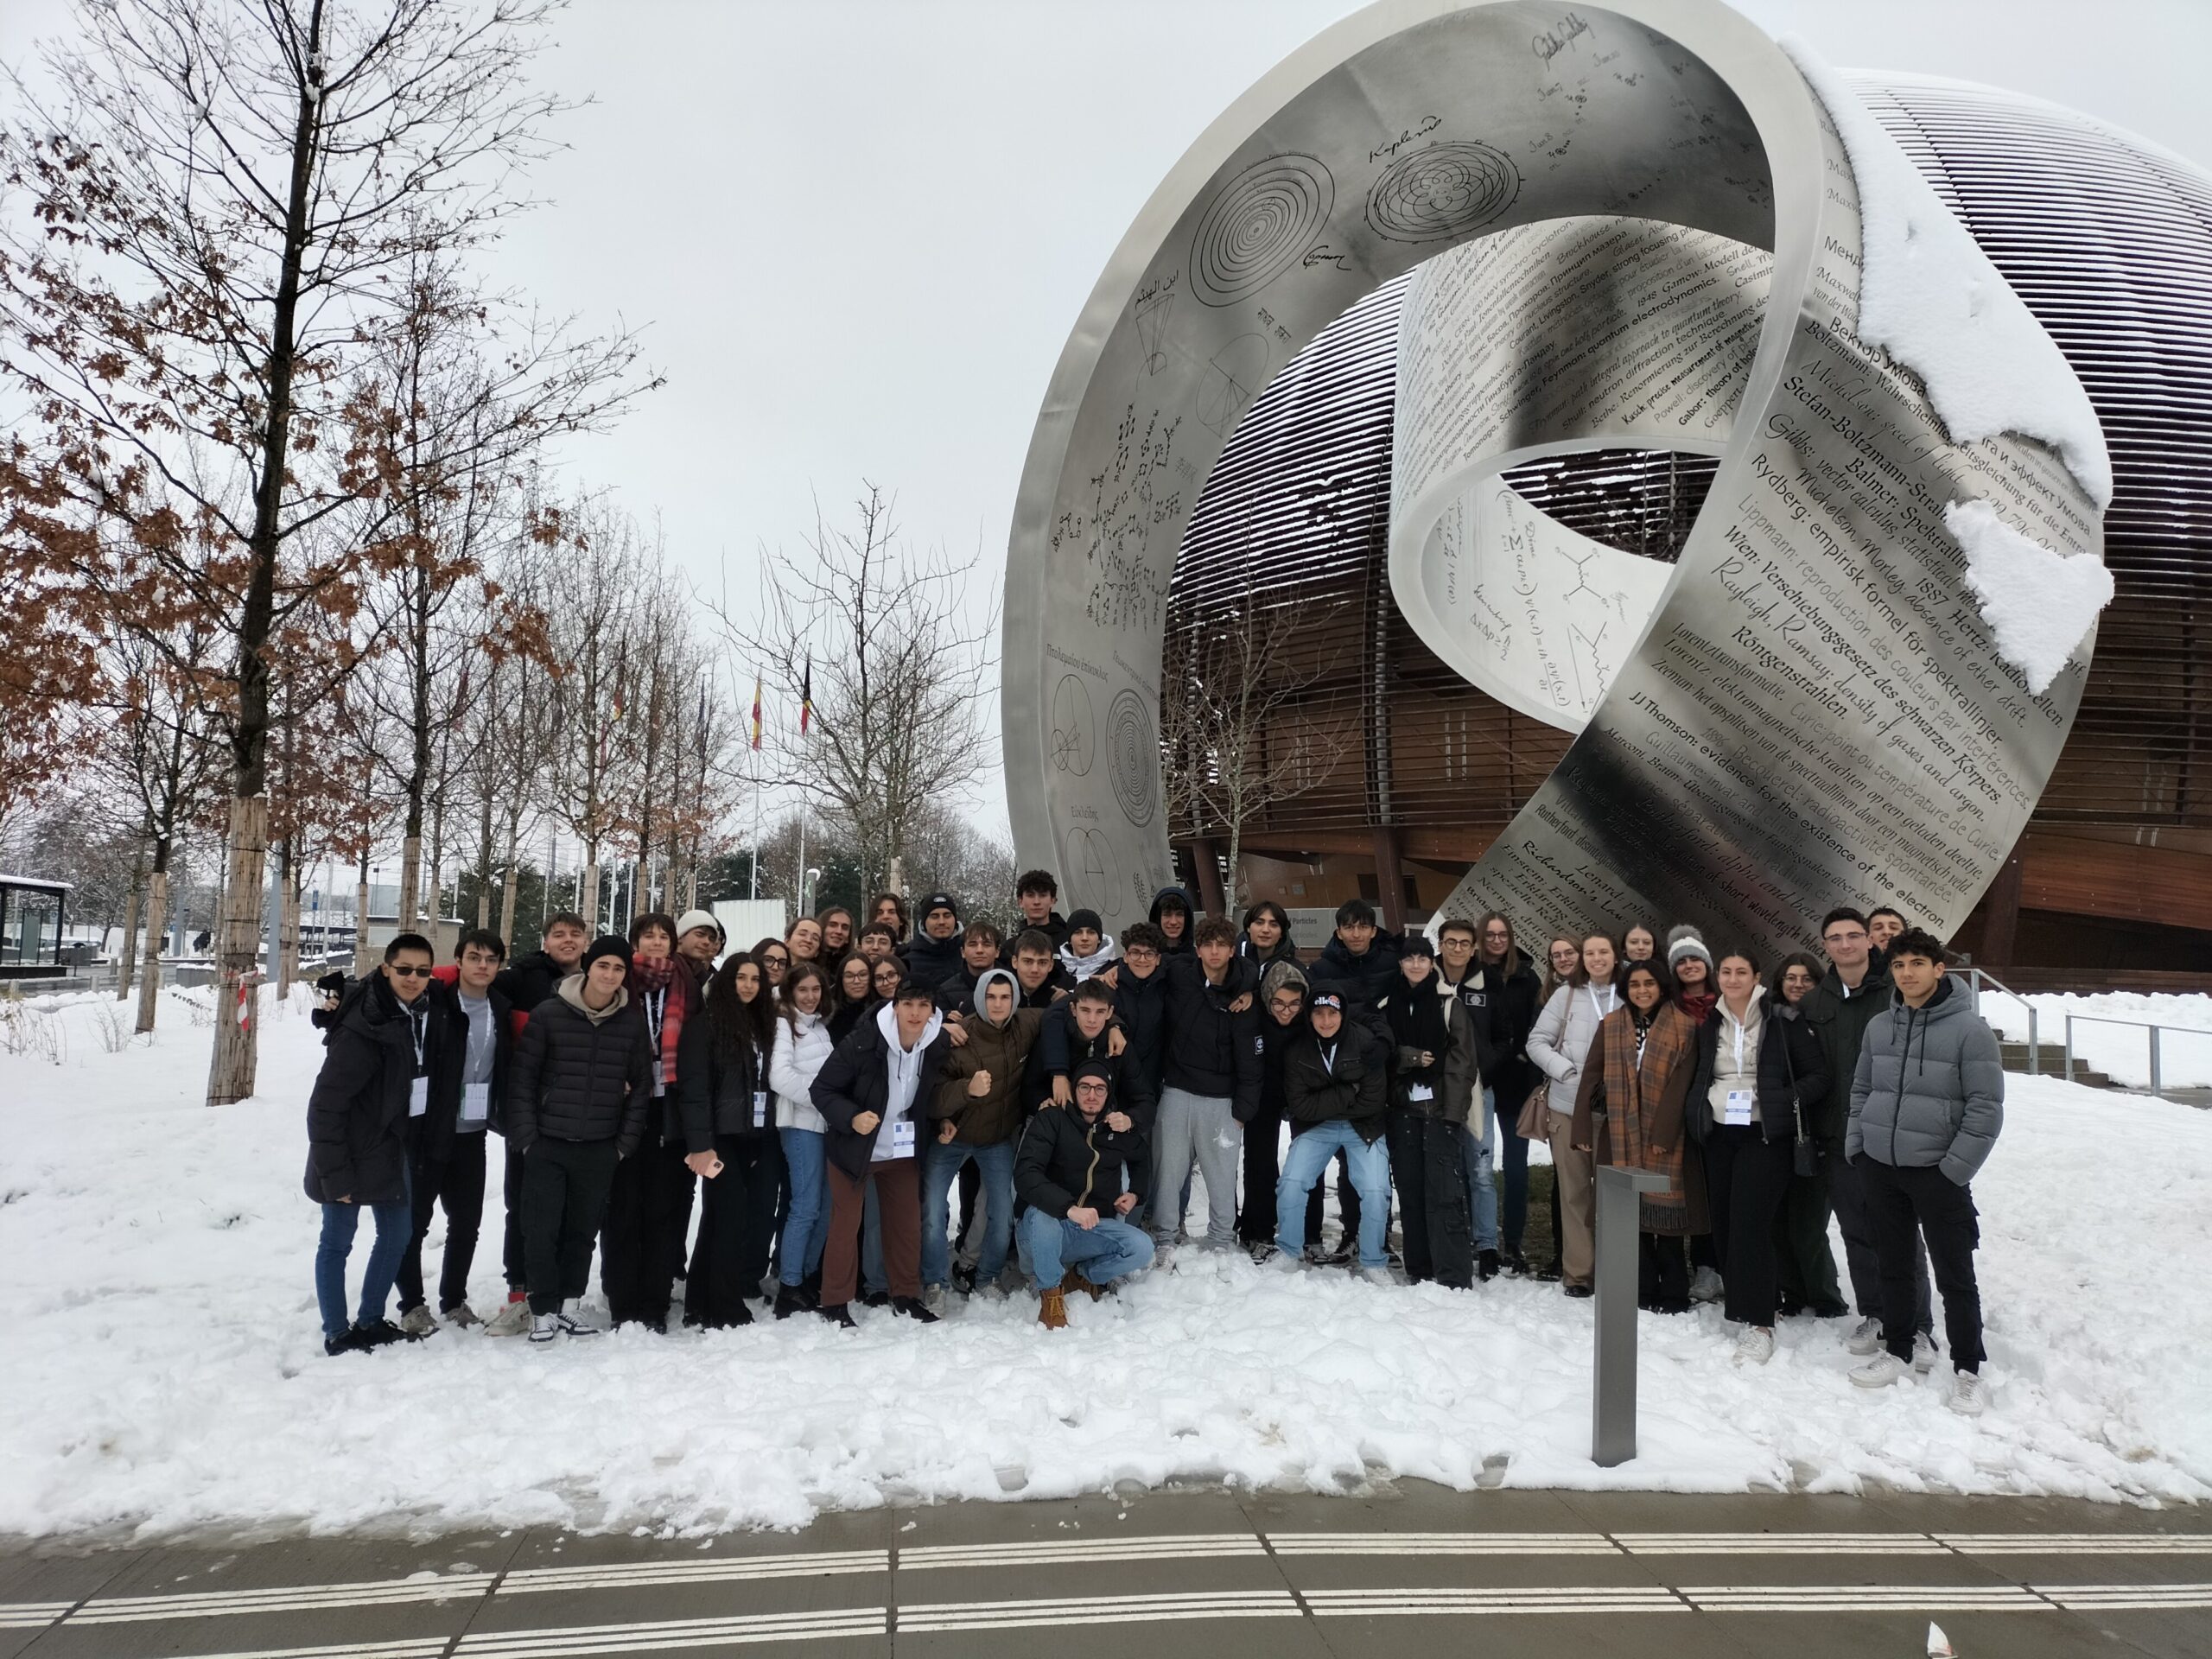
(571, 1321)
(417, 1322)
(461, 1316)
(1754, 1347)
(1880, 1371)
(1924, 1353)
(512, 1320)
(1969, 1393)
(1378, 1276)
(1163, 1257)
(1705, 1286)
(1866, 1338)
(545, 1327)
(933, 1299)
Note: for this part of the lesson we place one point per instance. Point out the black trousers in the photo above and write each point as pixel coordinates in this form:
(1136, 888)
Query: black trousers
(511, 1262)
(649, 1206)
(564, 1188)
(1745, 1177)
(1854, 1212)
(1513, 1195)
(737, 1224)
(458, 1185)
(1804, 1261)
(1432, 1180)
(1909, 1206)
(970, 1184)
(1662, 1274)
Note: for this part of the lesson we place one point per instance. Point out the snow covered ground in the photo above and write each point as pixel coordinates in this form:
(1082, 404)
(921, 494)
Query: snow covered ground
(2121, 1050)
(162, 1370)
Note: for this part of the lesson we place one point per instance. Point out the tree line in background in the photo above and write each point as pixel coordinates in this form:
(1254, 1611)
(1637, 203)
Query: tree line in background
(287, 575)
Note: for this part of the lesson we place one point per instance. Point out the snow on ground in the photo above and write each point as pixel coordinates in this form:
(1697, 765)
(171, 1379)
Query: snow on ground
(163, 1371)
(2121, 1050)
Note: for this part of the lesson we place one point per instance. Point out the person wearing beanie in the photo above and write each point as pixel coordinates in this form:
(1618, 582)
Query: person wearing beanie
(975, 1117)
(699, 940)
(1089, 947)
(933, 953)
(1080, 1174)
(1697, 992)
(1336, 1092)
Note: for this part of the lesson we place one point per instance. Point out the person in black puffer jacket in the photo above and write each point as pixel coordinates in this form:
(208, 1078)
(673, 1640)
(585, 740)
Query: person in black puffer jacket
(1079, 1175)
(1336, 1091)
(1359, 962)
(729, 1135)
(933, 953)
(576, 1105)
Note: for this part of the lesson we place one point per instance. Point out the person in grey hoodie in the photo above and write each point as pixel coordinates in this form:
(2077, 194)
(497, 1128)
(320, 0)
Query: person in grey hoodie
(1927, 1102)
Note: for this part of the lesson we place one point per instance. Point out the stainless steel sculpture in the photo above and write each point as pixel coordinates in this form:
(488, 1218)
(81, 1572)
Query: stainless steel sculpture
(1811, 709)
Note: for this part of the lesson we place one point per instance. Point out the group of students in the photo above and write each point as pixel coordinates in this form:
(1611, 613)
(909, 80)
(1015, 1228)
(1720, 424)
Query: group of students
(817, 1098)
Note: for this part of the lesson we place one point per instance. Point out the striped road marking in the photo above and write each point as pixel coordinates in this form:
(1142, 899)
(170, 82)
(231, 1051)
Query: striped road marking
(709, 1570)
(1779, 1543)
(1081, 1551)
(1076, 1611)
(1440, 1543)
(1864, 1598)
(1585, 1598)
(415, 1647)
(118, 1610)
(674, 1635)
(2078, 1543)
(31, 1615)
(2089, 1598)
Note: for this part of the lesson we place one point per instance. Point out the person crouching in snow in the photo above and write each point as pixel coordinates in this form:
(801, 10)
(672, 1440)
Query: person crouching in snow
(1336, 1092)
(1082, 1170)
(1089, 949)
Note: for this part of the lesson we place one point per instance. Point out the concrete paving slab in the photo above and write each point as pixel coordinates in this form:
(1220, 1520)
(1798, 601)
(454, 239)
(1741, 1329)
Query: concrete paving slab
(1415, 1506)
(1508, 1635)
(36, 1588)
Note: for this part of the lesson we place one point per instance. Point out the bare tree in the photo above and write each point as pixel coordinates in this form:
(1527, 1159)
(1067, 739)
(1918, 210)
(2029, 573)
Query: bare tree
(900, 674)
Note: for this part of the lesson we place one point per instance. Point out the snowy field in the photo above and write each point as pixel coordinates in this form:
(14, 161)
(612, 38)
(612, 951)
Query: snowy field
(2121, 1049)
(162, 1370)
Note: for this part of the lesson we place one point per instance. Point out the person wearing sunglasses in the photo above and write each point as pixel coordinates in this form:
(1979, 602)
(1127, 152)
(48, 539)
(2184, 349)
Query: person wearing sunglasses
(375, 1080)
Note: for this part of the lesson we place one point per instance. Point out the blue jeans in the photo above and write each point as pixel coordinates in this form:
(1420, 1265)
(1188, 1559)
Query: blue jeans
(1481, 1189)
(940, 1167)
(395, 1224)
(806, 1229)
(1371, 1178)
(1112, 1249)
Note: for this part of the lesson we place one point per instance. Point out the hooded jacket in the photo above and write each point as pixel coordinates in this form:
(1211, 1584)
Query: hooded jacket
(357, 1112)
(1930, 1088)
(1078, 969)
(1184, 946)
(803, 1047)
(856, 1078)
(1342, 1081)
(1275, 1039)
(1365, 979)
(1211, 1051)
(1002, 1050)
(1841, 1016)
(581, 1074)
(1453, 1077)
(933, 961)
(1560, 1042)
(1066, 1162)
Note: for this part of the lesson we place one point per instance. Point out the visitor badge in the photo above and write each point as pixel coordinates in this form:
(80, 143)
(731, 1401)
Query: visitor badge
(475, 1101)
(760, 1108)
(1738, 1108)
(1421, 1091)
(902, 1137)
(418, 1097)
(660, 1077)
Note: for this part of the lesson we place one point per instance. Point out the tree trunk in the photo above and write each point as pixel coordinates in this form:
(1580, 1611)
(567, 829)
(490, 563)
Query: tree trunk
(149, 981)
(127, 958)
(507, 905)
(362, 965)
(411, 877)
(230, 1070)
(588, 894)
(641, 888)
(288, 931)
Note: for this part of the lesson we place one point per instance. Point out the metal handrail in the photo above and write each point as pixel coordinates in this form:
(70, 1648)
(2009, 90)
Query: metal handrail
(1978, 976)
(2153, 1026)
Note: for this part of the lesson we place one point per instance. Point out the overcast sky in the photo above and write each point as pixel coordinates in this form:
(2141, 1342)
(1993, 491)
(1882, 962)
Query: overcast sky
(858, 231)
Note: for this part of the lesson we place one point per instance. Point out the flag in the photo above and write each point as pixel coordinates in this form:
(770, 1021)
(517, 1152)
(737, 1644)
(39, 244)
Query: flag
(756, 711)
(806, 695)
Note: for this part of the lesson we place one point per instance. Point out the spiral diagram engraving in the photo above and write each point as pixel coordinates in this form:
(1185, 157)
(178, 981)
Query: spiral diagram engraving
(1446, 190)
(1259, 225)
(1133, 756)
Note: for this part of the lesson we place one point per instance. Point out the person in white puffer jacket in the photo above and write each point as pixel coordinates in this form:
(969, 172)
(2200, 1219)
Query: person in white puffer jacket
(804, 1049)
(1558, 1047)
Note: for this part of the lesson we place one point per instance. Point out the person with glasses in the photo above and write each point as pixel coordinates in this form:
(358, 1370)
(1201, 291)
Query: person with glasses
(374, 1083)
(1140, 1007)
(775, 959)
(1515, 1001)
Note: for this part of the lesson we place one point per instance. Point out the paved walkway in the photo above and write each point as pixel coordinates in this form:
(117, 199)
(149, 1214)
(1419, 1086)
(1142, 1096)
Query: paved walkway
(1211, 1574)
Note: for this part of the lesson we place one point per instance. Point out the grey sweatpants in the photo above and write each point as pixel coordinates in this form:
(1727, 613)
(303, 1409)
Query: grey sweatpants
(1198, 1128)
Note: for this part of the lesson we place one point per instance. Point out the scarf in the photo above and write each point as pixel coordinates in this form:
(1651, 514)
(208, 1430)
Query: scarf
(1417, 1021)
(1698, 1005)
(1642, 1053)
(665, 994)
(1082, 968)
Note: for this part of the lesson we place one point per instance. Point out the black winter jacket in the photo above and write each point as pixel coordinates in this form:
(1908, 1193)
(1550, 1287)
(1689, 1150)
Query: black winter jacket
(1061, 1046)
(527, 981)
(1211, 1051)
(1055, 929)
(1065, 1162)
(855, 1078)
(578, 1078)
(1791, 1062)
(931, 961)
(1354, 1088)
(357, 1112)
(1512, 997)
(1365, 979)
(436, 1130)
(717, 1099)
(1142, 1007)
(1840, 1017)
(1182, 947)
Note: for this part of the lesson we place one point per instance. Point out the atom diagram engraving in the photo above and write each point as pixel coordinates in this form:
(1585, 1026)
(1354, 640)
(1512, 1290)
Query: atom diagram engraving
(1259, 225)
(1093, 873)
(1446, 190)
(1075, 732)
(1133, 756)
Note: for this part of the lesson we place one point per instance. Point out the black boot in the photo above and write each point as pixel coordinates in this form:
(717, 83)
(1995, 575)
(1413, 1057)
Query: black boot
(912, 1309)
(349, 1342)
(1487, 1266)
(836, 1313)
(1516, 1264)
(383, 1334)
(790, 1300)
(876, 1299)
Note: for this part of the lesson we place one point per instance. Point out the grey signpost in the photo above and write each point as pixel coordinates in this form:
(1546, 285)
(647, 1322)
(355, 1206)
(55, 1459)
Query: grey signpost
(1612, 1385)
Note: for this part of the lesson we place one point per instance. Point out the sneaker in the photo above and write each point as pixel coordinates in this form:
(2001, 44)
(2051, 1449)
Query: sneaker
(1549, 1272)
(1282, 1261)
(1754, 1347)
(1580, 1291)
(1163, 1258)
(1486, 1265)
(1924, 1353)
(876, 1299)
(417, 1322)
(790, 1300)
(1880, 1371)
(933, 1299)
(1378, 1276)
(380, 1334)
(1516, 1265)
(1866, 1338)
(572, 1322)
(1969, 1393)
(839, 1315)
(912, 1308)
(461, 1316)
(512, 1320)
(964, 1280)
(1704, 1286)
(1829, 1310)
(1052, 1309)
(346, 1342)
(545, 1327)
